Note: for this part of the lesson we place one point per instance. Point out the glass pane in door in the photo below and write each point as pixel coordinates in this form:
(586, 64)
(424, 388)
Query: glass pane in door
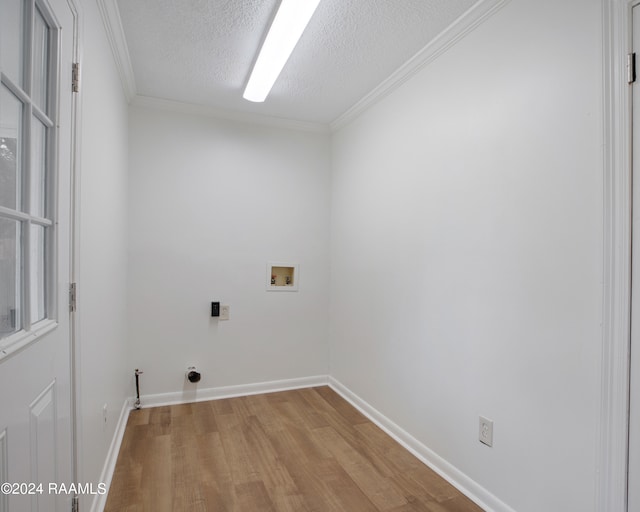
(10, 277)
(11, 40)
(10, 149)
(38, 273)
(38, 167)
(40, 77)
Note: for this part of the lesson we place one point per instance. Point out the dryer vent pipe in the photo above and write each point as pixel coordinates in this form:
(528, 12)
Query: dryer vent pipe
(193, 375)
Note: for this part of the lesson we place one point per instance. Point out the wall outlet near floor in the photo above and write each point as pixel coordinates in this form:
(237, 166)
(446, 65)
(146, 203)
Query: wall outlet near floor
(104, 413)
(224, 312)
(485, 434)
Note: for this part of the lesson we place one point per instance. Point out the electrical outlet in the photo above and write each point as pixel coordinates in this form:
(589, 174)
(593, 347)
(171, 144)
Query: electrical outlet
(485, 434)
(224, 312)
(104, 413)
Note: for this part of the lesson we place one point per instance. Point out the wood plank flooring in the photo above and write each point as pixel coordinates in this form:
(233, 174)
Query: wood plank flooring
(306, 450)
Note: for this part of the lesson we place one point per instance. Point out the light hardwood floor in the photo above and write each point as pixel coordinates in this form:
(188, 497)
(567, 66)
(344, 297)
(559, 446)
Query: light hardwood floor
(293, 451)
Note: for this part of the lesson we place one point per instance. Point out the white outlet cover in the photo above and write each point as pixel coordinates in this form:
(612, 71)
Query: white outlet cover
(485, 432)
(224, 312)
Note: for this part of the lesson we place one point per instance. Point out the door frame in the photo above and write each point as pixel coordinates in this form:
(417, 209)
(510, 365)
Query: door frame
(74, 195)
(613, 425)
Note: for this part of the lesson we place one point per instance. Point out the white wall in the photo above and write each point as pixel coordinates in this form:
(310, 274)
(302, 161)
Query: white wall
(466, 254)
(211, 202)
(104, 365)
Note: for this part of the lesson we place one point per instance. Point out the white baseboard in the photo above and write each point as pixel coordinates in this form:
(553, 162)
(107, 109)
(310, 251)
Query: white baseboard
(99, 501)
(450, 473)
(200, 395)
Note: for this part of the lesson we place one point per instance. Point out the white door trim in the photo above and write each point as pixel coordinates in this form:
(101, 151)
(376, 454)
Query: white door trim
(76, 420)
(611, 485)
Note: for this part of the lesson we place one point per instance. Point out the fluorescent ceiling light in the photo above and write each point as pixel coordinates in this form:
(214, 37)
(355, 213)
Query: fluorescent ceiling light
(287, 27)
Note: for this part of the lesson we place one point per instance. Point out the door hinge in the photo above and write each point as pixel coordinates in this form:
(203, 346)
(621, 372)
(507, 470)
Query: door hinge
(75, 506)
(75, 77)
(631, 68)
(72, 297)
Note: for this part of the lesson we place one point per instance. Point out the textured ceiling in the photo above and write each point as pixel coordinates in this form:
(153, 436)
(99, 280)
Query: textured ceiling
(202, 51)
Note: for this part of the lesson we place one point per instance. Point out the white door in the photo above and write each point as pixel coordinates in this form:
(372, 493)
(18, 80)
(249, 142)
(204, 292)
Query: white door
(36, 417)
(634, 420)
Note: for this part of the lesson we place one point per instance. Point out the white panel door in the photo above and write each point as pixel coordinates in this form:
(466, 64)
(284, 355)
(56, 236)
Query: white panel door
(36, 430)
(634, 420)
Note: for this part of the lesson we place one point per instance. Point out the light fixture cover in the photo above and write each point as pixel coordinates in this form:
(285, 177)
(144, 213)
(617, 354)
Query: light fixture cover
(287, 27)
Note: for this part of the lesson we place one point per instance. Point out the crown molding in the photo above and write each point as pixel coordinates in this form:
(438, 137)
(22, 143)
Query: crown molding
(465, 24)
(460, 28)
(110, 15)
(230, 115)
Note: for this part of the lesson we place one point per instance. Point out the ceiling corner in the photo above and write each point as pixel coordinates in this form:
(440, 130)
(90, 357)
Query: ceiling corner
(462, 26)
(115, 34)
